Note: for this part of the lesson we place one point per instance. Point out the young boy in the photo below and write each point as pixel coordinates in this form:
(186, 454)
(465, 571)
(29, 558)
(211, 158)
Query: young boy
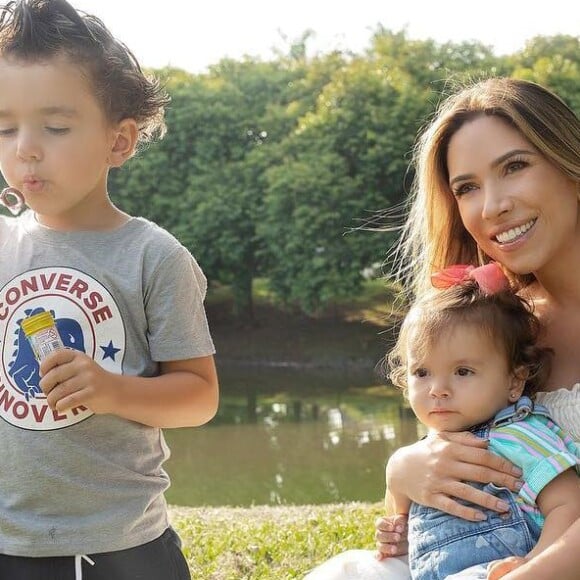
(81, 483)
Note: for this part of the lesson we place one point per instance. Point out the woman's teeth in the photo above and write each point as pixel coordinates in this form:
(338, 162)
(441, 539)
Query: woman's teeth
(514, 233)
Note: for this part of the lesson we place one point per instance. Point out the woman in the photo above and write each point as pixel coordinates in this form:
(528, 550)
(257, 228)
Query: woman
(498, 178)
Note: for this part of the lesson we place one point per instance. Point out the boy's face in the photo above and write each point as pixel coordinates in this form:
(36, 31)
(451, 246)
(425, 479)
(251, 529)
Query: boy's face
(461, 380)
(55, 141)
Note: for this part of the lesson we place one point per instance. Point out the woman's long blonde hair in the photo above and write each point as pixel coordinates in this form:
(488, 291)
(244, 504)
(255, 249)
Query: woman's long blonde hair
(433, 235)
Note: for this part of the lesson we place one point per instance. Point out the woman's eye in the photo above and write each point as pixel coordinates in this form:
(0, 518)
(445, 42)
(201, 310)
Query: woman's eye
(515, 165)
(463, 189)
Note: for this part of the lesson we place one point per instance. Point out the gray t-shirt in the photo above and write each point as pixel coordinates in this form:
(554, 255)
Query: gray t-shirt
(76, 482)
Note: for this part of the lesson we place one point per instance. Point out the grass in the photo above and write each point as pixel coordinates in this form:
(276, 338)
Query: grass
(274, 543)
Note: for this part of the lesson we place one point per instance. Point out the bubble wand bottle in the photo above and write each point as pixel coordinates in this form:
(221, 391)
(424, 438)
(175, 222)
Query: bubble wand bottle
(12, 199)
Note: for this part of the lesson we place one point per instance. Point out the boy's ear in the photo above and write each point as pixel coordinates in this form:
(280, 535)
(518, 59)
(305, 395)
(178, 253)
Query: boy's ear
(518, 382)
(124, 142)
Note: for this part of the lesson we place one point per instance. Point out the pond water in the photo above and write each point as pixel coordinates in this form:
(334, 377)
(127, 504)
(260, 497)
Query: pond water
(291, 436)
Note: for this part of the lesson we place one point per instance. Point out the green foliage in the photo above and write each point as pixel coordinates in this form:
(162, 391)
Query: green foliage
(554, 63)
(272, 169)
(266, 543)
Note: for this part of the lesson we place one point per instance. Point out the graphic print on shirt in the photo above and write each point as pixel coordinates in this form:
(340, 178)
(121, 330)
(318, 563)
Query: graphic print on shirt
(87, 319)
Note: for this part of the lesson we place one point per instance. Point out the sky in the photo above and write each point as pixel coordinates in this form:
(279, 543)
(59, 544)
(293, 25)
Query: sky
(194, 35)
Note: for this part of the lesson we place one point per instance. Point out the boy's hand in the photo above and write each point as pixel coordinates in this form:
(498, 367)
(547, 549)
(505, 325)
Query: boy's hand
(500, 568)
(70, 379)
(391, 536)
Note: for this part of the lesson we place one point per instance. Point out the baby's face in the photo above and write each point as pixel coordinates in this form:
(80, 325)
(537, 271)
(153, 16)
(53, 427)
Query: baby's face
(461, 380)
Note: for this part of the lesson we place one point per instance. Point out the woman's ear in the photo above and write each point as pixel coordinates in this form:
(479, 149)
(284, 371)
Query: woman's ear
(518, 382)
(124, 142)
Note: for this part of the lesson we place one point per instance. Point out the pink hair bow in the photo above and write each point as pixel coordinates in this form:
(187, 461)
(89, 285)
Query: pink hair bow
(490, 278)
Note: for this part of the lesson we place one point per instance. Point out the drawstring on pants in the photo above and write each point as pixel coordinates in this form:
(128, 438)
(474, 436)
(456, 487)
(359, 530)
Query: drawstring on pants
(79, 565)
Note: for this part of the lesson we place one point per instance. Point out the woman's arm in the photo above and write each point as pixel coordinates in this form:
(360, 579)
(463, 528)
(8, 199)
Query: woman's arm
(559, 502)
(432, 472)
(561, 560)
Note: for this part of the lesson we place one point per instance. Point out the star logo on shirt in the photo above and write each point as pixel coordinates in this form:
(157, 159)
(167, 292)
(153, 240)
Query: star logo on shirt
(109, 351)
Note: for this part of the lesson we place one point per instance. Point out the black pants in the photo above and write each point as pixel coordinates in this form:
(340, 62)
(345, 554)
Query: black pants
(160, 559)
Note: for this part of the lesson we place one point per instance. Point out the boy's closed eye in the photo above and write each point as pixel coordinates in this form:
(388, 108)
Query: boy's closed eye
(58, 130)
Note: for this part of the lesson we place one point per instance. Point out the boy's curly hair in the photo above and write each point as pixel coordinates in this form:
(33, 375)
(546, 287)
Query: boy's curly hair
(505, 317)
(38, 30)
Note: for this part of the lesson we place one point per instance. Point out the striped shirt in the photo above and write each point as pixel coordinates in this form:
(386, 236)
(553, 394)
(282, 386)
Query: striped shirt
(542, 449)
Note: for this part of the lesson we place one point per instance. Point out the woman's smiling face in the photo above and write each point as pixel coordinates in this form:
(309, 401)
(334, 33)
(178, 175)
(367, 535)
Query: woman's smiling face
(521, 210)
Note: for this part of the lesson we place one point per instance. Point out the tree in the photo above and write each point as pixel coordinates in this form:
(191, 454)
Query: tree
(346, 158)
(553, 62)
(273, 168)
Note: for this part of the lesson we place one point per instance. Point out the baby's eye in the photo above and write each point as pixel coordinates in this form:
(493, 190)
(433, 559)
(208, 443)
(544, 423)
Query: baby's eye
(7, 131)
(464, 372)
(420, 372)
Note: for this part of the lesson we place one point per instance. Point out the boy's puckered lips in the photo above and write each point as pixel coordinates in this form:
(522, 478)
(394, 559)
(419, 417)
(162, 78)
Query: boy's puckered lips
(32, 183)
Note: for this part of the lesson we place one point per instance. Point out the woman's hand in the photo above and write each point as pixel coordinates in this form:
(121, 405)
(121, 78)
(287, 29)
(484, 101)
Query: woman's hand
(391, 536)
(432, 473)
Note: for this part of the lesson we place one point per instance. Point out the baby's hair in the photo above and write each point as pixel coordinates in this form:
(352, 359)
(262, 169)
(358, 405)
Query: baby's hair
(504, 316)
(40, 30)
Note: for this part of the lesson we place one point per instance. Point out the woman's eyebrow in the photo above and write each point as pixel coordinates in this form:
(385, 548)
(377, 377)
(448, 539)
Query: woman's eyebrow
(509, 154)
(494, 163)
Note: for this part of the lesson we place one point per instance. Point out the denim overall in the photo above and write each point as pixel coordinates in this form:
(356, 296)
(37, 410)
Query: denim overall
(441, 544)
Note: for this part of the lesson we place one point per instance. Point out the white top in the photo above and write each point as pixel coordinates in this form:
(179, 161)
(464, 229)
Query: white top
(564, 406)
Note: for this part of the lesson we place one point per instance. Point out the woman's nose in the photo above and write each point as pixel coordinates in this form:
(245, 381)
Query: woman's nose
(496, 201)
